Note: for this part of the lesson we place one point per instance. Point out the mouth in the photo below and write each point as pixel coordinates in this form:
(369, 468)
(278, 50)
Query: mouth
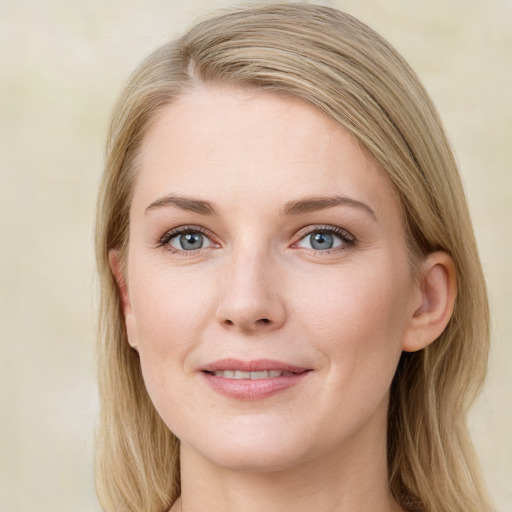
(252, 380)
(240, 374)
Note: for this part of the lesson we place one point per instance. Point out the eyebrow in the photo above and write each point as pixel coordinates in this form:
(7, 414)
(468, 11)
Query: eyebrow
(185, 203)
(297, 207)
(313, 204)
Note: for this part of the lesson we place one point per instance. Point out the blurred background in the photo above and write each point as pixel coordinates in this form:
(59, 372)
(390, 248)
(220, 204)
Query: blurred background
(62, 64)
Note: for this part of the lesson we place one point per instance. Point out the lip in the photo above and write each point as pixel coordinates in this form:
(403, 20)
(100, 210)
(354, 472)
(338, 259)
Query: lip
(249, 389)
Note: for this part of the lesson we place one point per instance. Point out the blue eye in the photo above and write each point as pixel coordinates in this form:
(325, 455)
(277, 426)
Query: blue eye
(324, 239)
(188, 242)
(185, 239)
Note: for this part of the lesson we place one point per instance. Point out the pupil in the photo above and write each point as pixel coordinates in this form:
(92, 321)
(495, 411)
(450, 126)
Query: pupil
(321, 241)
(191, 241)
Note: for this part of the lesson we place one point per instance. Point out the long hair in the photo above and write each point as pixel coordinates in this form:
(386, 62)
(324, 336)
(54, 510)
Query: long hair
(336, 63)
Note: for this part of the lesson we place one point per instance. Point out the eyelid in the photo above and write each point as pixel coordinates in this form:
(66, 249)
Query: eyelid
(164, 240)
(348, 240)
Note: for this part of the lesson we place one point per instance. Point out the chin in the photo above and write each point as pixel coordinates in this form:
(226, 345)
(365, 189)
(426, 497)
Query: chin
(254, 459)
(257, 450)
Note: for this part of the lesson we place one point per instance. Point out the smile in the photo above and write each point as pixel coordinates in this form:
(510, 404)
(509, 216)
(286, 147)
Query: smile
(252, 380)
(239, 374)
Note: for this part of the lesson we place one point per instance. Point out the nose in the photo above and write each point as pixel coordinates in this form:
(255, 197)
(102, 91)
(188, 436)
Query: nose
(251, 294)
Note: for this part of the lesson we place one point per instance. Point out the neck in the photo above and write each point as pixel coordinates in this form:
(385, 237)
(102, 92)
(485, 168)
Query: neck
(352, 479)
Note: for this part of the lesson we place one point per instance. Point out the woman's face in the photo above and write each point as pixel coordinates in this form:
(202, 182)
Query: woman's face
(269, 292)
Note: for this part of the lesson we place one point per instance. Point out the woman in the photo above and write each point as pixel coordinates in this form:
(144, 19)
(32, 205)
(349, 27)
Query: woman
(293, 313)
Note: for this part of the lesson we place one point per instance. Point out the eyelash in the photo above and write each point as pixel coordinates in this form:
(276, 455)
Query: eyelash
(164, 241)
(347, 239)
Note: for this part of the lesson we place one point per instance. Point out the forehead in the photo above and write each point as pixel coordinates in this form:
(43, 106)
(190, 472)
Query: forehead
(241, 145)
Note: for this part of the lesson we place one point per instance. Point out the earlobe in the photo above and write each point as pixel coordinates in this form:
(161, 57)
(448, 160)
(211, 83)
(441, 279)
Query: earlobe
(438, 288)
(114, 259)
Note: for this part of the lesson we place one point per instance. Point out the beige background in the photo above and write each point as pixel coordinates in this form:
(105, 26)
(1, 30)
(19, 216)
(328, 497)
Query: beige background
(62, 64)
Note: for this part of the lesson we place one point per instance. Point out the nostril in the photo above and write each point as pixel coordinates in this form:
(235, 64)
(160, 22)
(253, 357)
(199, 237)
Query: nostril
(246, 324)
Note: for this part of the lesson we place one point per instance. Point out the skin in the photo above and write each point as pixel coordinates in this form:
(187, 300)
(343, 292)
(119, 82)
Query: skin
(257, 289)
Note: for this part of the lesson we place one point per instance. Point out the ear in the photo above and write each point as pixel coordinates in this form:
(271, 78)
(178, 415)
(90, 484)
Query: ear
(114, 259)
(437, 288)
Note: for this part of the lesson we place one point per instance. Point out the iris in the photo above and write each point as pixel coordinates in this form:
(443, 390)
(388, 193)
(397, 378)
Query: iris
(191, 241)
(321, 241)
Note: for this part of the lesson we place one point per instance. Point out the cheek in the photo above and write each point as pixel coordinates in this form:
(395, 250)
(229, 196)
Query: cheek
(358, 323)
(170, 314)
(170, 311)
(354, 301)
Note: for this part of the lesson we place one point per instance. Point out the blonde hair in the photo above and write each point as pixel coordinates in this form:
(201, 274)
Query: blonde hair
(333, 61)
